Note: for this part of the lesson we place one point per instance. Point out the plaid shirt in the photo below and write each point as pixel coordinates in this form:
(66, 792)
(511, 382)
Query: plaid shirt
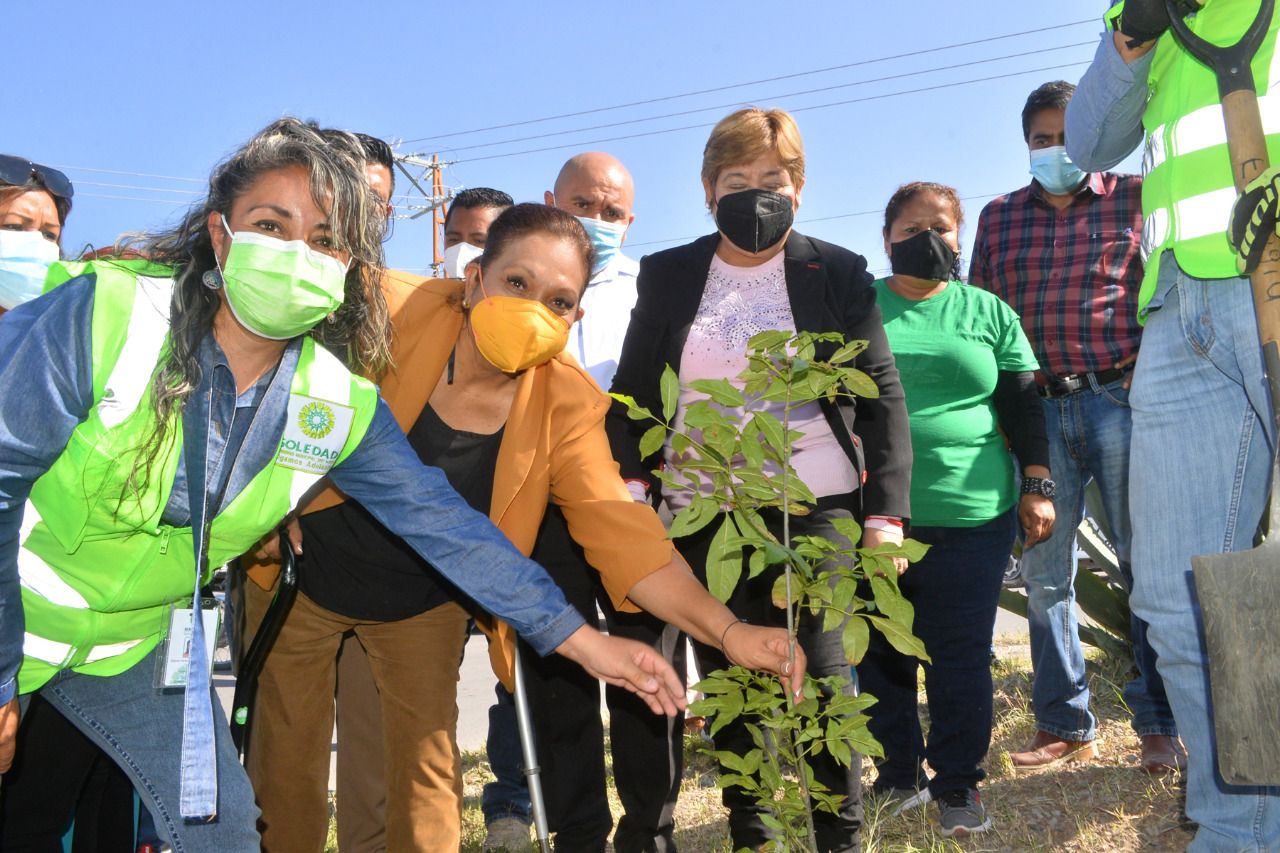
(1072, 275)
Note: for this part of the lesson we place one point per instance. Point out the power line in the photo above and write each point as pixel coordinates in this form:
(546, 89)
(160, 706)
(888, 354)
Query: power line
(135, 187)
(796, 110)
(749, 83)
(169, 201)
(131, 174)
(868, 81)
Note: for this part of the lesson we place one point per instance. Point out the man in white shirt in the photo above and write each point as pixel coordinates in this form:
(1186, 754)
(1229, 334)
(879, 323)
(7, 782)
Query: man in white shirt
(598, 189)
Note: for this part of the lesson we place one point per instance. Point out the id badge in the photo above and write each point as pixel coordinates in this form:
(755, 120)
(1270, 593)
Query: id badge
(175, 649)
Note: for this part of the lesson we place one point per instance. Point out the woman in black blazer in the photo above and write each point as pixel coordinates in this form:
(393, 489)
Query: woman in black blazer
(697, 305)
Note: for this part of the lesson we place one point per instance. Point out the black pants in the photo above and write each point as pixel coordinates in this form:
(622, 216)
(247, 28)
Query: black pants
(954, 590)
(752, 600)
(648, 758)
(59, 774)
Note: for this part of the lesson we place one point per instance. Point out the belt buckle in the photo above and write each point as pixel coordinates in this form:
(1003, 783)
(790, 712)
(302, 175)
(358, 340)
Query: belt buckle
(1068, 384)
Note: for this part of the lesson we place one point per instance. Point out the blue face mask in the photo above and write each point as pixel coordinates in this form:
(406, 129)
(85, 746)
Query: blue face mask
(1055, 171)
(25, 257)
(606, 239)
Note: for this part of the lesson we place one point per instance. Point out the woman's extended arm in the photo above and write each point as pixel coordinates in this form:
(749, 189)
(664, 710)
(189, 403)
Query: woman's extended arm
(674, 595)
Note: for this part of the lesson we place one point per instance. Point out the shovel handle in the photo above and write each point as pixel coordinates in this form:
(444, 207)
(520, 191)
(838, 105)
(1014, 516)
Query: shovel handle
(1247, 146)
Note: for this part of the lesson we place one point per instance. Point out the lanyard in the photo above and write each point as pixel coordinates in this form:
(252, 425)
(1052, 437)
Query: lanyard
(199, 777)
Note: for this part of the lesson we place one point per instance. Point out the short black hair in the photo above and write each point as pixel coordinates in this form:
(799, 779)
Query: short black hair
(1054, 95)
(378, 151)
(474, 197)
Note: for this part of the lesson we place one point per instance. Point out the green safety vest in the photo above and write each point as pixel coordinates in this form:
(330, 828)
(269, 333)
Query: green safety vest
(1187, 189)
(99, 572)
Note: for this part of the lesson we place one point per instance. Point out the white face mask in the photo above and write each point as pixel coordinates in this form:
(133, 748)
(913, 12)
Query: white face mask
(456, 258)
(25, 257)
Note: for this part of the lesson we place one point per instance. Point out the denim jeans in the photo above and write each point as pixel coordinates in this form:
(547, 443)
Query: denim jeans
(1199, 468)
(1089, 434)
(141, 729)
(954, 590)
(508, 794)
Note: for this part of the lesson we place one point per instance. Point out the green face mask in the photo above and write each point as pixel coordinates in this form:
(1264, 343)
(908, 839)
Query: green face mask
(279, 289)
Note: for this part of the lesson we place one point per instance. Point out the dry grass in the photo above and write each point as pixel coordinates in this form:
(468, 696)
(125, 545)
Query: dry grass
(1109, 805)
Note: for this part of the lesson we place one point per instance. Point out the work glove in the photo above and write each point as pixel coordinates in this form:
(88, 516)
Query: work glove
(1253, 219)
(1146, 20)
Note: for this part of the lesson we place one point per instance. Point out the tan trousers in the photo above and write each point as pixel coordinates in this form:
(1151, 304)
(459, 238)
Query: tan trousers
(415, 668)
(361, 779)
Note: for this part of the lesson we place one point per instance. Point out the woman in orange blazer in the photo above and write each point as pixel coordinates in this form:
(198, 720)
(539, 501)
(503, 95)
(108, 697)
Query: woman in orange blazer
(483, 391)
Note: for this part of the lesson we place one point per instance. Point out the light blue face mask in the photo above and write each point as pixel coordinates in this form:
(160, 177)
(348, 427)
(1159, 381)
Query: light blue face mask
(25, 257)
(606, 239)
(1055, 171)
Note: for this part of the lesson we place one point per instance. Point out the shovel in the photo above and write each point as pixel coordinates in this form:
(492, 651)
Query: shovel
(1240, 592)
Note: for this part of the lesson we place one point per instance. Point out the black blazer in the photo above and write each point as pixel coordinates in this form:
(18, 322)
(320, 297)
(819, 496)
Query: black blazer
(830, 291)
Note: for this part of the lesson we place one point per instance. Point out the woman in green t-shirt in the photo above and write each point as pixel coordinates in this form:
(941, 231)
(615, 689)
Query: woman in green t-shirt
(968, 373)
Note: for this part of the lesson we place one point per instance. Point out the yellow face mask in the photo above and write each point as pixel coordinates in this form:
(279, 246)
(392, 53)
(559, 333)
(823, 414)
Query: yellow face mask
(514, 334)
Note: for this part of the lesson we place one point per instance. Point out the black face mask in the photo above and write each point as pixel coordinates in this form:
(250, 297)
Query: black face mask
(925, 255)
(754, 220)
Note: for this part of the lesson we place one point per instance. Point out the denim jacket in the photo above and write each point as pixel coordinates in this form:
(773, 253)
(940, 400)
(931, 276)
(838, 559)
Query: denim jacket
(46, 390)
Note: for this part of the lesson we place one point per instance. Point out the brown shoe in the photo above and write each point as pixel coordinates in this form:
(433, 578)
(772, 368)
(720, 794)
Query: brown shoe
(1162, 754)
(1046, 749)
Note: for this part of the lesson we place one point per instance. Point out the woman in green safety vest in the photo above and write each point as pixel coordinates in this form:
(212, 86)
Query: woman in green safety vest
(165, 414)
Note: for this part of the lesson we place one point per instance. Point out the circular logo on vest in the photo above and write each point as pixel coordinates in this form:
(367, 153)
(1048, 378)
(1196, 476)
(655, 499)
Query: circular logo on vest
(315, 420)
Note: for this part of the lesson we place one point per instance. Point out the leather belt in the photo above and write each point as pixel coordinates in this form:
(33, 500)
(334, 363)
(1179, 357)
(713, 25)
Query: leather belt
(1063, 385)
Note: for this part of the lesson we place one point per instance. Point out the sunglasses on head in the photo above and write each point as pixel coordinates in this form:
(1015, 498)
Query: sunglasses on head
(17, 172)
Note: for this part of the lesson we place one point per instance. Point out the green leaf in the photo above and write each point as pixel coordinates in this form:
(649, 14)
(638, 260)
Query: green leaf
(914, 550)
(752, 453)
(724, 561)
(899, 636)
(770, 428)
(780, 591)
(848, 352)
(855, 638)
(652, 440)
(669, 385)
(635, 411)
(768, 340)
(697, 515)
(890, 601)
(680, 443)
(848, 528)
(721, 391)
(756, 564)
(859, 383)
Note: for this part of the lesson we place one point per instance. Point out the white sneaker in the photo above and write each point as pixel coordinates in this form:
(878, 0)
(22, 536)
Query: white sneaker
(507, 833)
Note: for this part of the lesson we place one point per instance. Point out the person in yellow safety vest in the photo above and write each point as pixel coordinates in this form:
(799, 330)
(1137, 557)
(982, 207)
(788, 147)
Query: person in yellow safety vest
(138, 393)
(1203, 436)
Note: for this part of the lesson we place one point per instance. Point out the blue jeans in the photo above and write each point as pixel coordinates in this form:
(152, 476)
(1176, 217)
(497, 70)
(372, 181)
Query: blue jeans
(1089, 434)
(954, 590)
(1200, 465)
(508, 794)
(141, 729)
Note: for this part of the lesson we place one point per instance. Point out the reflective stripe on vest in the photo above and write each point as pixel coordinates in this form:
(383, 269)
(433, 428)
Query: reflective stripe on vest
(1188, 189)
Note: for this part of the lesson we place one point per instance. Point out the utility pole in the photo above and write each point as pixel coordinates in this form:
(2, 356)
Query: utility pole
(426, 175)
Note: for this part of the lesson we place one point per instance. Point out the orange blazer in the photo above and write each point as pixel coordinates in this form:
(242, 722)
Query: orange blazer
(553, 447)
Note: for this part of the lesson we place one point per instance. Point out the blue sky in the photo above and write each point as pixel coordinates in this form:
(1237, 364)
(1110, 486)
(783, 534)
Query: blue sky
(163, 90)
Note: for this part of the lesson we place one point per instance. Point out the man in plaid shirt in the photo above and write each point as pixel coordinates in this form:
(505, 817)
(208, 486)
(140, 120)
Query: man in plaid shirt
(1064, 252)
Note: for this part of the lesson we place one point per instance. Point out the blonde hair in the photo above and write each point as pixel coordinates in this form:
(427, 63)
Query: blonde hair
(742, 136)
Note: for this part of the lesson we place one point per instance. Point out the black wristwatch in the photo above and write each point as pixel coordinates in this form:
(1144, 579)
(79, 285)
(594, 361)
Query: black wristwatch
(1039, 486)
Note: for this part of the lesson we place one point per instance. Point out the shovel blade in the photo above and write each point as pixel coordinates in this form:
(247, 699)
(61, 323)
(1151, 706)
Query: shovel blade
(1240, 605)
